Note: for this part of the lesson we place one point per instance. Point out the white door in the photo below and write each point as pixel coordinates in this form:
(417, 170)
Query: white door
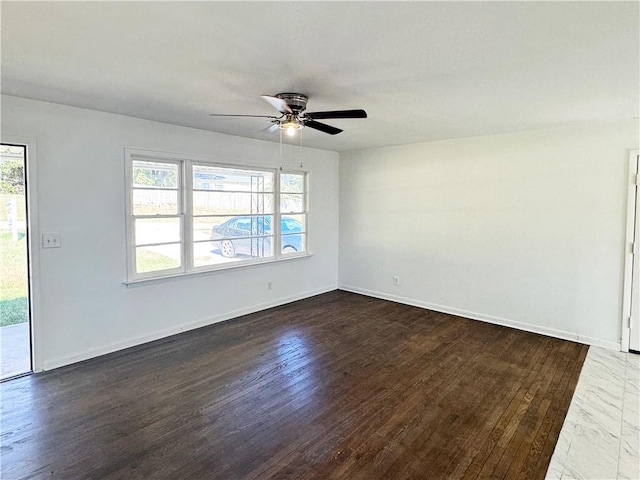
(634, 323)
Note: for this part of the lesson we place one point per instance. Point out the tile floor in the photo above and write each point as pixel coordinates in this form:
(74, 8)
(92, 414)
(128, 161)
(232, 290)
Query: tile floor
(15, 350)
(600, 437)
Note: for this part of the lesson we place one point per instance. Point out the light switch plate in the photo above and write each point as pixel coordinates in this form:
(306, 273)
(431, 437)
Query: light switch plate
(51, 240)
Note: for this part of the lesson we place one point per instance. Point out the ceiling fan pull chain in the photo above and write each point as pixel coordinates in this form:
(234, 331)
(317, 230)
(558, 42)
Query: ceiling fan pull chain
(280, 132)
(301, 149)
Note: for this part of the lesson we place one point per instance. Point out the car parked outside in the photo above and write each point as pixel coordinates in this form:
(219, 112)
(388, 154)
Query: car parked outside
(252, 235)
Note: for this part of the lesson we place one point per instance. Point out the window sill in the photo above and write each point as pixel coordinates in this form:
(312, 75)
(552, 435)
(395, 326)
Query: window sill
(205, 272)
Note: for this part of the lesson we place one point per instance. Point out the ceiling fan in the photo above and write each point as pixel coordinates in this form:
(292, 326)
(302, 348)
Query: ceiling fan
(292, 107)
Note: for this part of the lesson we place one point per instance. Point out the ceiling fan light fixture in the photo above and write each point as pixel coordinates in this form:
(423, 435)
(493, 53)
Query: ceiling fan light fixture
(291, 125)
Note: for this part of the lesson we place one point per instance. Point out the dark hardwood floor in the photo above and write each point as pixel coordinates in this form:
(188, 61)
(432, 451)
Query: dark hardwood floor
(336, 386)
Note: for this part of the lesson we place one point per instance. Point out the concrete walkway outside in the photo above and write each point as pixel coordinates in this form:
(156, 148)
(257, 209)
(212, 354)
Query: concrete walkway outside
(15, 350)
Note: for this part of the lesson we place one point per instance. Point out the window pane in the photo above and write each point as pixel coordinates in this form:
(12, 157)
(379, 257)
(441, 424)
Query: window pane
(160, 257)
(157, 230)
(292, 183)
(293, 243)
(155, 174)
(292, 202)
(243, 226)
(293, 223)
(231, 250)
(207, 177)
(205, 254)
(215, 203)
(293, 239)
(152, 202)
(203, 226)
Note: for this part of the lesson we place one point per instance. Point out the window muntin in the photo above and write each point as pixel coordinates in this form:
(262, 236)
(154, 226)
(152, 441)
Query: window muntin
(187, 215)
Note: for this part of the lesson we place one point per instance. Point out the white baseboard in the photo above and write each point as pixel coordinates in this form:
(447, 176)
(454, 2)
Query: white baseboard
(114, 347)
(527, 327)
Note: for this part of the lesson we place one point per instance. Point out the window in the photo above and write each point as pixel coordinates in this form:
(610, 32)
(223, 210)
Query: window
(186, 215)
(293, 209)
(157, 216)
(231, 217)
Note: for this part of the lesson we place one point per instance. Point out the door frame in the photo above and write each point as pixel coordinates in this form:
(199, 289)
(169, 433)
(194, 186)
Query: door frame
(632, 201)
(33, 245)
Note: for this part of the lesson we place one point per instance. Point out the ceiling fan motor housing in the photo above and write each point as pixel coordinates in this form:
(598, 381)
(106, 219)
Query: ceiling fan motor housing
(296, 101)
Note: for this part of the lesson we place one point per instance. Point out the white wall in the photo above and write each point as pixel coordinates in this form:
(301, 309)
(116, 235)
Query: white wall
(84, 308)
(523, 229)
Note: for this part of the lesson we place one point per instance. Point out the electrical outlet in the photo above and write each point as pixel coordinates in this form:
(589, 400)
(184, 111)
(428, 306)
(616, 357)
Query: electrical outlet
(51, 240)
(269, 285)
(396, 281)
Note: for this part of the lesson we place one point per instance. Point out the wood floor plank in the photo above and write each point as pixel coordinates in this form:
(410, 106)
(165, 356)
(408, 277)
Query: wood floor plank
(495, 443)
(538, 432)
(335, 386)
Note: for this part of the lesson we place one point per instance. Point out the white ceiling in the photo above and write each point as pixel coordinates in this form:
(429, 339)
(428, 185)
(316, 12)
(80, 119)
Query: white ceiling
(422, 70)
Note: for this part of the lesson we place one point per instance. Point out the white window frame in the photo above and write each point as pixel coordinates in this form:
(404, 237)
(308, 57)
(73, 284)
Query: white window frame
(185, 212)
(132, 156)
(305, 211)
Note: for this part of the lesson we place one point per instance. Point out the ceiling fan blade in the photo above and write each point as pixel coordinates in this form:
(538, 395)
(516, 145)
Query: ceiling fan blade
(337, 114)
(233, 115)
(323, 127)
(270, 129)
(278, 104)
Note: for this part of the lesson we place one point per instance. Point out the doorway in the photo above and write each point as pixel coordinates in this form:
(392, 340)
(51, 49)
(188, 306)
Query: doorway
(15, 310)
(631, 316)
